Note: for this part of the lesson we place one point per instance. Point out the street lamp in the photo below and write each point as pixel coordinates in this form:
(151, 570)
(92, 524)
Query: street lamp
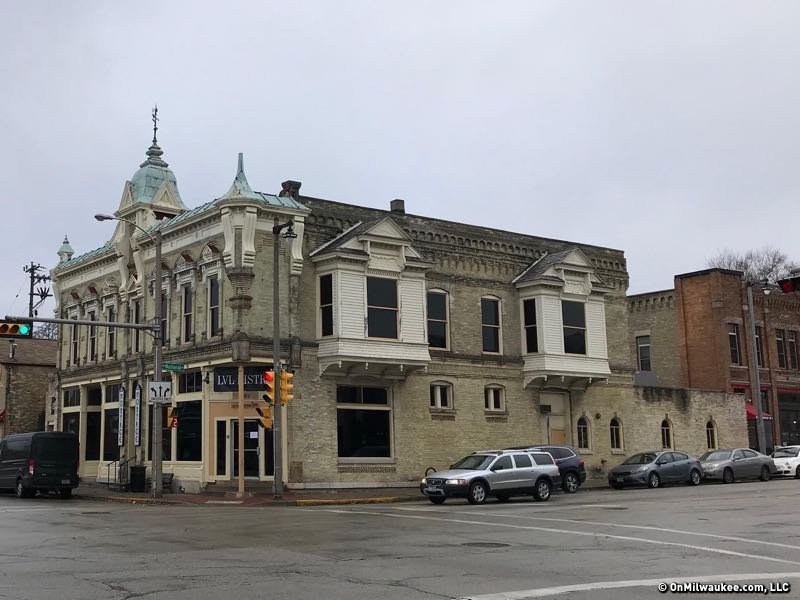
(156, 442)
(756, 387)
(289, 234)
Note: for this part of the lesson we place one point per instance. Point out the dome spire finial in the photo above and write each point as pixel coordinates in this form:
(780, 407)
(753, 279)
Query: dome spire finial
(155, 124)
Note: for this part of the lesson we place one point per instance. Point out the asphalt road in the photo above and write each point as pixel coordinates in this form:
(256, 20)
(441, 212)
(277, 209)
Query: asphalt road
(595, 544)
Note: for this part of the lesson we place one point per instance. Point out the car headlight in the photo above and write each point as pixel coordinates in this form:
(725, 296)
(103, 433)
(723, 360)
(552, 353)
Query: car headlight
(710, 468)
(424, 480)
(455, 481)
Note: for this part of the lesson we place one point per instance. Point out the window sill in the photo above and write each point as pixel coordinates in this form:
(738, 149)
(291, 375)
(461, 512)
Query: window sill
(495, 413)
(446, 411)
(342, 460)
(584, 451)
(620, 452)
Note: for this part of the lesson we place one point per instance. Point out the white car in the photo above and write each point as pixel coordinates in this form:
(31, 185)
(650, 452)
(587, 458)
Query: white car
(787, 461)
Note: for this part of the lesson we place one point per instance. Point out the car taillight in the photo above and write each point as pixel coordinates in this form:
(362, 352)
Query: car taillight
(31, 466)
(582, 464)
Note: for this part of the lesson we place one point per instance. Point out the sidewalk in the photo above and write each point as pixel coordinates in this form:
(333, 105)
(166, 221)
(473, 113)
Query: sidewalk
(93, 491)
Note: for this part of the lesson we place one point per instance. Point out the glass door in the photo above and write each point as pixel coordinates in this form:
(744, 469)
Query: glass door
(251, 447)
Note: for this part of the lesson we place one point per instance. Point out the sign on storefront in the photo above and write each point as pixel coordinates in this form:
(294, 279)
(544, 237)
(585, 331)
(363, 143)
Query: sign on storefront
(226, 379)
(137, 415)
(121, 415)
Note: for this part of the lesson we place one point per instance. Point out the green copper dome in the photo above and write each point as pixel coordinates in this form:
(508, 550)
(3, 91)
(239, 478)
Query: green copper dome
(151, 175)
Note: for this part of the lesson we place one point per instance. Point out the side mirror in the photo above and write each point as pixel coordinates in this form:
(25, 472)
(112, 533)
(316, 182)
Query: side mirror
(660, 462)
(451, 466)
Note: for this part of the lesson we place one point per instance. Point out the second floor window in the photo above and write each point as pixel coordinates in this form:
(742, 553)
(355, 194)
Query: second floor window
(574, 319)
(529, 314)
(137, 318)
(381, 307)
(759, 347)
(437, 319)
(74, 343)
(111, 335)
(164, 318)
(92, 338)
(780, 341)
(187, 313)
(643, 352)
(791, 346)
(733, 341)
(490, 324)
(213, 306)
(326, 305)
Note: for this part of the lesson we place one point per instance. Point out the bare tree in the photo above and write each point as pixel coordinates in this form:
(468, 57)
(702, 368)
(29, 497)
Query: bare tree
(46, 331)
(763, 264)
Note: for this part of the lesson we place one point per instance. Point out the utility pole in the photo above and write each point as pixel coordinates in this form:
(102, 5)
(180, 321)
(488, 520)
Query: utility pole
(756, 383)
(43, 292)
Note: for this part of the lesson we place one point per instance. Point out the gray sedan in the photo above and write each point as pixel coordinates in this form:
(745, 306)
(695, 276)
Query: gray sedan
(656, 468)
(737, 463)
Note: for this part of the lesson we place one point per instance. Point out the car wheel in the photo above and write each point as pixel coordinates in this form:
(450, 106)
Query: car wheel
(694, 477)
(22, 491)
(503, 497)
(764, 473)
(66, 494)
(477, 493)
(727, 476)
(617, 486)
(541, 493)
(653, 480)
(434, 499)
(571, 482)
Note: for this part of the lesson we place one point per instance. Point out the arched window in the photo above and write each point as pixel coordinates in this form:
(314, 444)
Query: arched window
(583, 433)
(494, 398)
(666, 434)
(711, 435)
(615, 429)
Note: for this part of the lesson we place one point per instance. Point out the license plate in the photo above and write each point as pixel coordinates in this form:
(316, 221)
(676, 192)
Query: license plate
(620, 479)
(433, 490)
(65, 482)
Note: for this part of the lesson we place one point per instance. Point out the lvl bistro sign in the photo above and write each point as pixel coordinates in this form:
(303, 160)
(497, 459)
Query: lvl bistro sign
(226, 379)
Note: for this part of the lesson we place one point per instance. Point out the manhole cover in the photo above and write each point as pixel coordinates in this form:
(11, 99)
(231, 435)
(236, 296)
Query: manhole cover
(485, 544)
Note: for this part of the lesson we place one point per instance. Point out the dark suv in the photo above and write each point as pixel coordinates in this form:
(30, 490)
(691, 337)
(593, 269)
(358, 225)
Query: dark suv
(571, 466)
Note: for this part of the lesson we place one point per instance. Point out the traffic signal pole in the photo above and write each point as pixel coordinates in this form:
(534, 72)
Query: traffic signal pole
(277, 415)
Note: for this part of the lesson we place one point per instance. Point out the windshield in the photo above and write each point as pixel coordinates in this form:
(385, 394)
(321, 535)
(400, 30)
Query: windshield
(640, 459)
(473, 462)
(716, 455)
(785, 453)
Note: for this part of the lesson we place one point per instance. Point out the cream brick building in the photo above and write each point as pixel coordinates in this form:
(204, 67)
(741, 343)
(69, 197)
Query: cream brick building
(413, 340)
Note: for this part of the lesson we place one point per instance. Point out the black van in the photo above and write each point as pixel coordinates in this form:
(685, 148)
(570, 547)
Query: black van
(39, 461)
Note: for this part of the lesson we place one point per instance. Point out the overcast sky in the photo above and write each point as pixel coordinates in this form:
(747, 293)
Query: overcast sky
(668, 130)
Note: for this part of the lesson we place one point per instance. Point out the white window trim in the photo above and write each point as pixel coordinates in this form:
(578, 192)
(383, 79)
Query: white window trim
(638, 354)
(621, 429)
(499, 324)
(671, 434)
(397, 311)
(436, 386)
(334, 296)
(111, 353)
(187, 287)
(523, 330)
(91, 315)
(446, 295)
(208, 279)
(582, 300)
(501, 392)
(588, 447)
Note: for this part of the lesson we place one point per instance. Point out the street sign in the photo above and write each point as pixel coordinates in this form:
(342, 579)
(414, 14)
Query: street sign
(160, 392)
(174, 367)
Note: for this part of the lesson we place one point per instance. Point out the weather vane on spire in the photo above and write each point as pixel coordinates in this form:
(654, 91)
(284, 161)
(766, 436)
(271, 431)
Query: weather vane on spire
(155, 122)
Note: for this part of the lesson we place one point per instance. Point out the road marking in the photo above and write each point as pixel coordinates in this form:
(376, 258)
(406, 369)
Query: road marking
(9, 510)
(623, 538)
(609, 585)
(539, 506)
(647, 528)
(224, 501)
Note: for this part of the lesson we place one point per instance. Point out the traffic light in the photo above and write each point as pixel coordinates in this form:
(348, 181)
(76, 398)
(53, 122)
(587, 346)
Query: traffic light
(269, 386)
(265, 418)
(791, 284)
(286, 386)
(172, 417)
(16, 329)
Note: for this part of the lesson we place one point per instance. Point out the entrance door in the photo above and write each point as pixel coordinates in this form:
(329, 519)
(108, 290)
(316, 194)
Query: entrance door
(251, 447)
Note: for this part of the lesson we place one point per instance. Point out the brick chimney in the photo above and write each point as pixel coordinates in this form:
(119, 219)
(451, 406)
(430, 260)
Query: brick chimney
(398, 206)
(291, 189)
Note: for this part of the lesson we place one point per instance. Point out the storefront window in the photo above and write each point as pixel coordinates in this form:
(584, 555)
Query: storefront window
(190, 431)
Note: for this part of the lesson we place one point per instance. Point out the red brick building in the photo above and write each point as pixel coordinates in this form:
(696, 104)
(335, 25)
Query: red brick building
(698, 336)
(26, 369)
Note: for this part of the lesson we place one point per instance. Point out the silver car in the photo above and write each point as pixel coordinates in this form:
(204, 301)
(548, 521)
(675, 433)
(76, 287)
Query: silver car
(737, 463)
(499, 473)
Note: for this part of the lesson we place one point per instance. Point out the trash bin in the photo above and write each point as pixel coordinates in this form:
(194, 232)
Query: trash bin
(138, 478)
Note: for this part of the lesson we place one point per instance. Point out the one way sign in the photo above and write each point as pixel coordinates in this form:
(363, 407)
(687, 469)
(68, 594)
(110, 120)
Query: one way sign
(160, 392)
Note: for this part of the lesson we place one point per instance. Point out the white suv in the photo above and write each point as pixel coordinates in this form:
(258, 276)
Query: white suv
(499, 473)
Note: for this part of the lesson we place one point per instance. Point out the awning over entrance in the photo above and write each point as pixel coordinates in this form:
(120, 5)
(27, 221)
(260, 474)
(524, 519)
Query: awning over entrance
(751, 412)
